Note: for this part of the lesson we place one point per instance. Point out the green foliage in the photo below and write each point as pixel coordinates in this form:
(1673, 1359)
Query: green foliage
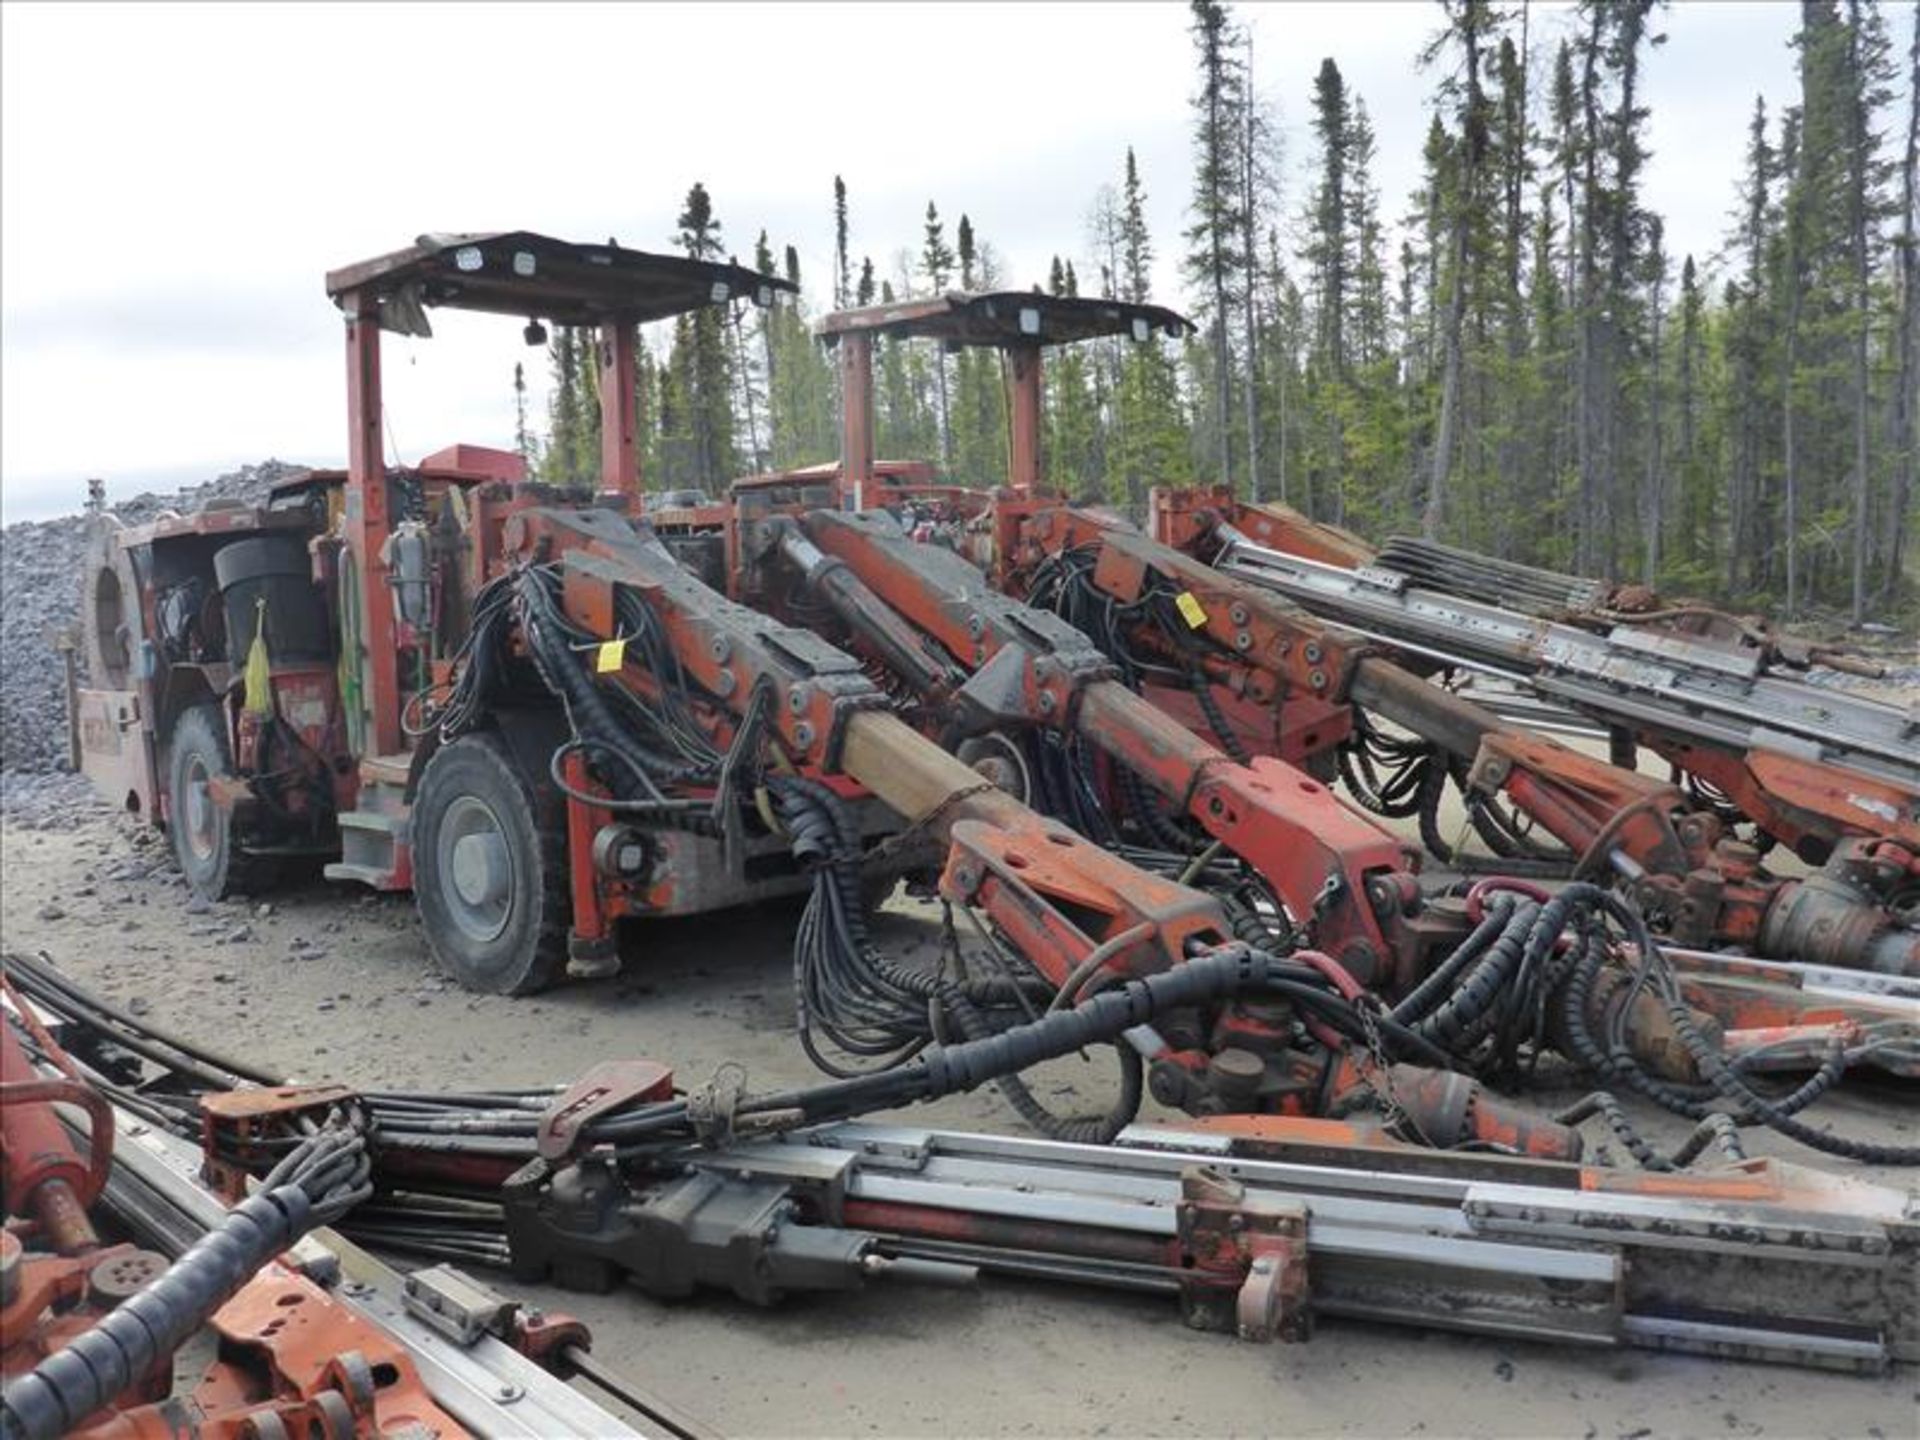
(698, 427)
(1513, 357)
(571, 457)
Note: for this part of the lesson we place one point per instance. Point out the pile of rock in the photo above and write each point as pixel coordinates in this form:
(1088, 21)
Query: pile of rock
(32, 801)
(41, 564)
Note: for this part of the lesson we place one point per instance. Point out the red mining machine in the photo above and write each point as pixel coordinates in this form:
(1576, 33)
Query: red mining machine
(523, 706)
(1029, 700)
(1273, 685)
(531, 710)
(1225, 656)
(263, 676)
(1832, 776)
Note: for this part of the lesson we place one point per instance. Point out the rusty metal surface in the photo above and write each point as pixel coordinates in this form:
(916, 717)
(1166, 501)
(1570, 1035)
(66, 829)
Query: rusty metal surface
(278, 1100)
(113, 752)
(1006, 318)
(558, 281)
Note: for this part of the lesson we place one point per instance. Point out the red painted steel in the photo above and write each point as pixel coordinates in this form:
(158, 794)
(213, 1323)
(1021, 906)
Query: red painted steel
(369, 523)
(619, 414)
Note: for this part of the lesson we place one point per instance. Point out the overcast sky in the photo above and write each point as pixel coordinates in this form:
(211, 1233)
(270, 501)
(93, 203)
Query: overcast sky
(174, 181)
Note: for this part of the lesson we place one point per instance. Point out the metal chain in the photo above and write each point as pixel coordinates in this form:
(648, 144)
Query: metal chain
(895, 843)
(1380, 1073)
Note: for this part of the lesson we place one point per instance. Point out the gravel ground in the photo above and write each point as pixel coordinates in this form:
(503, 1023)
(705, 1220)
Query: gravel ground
(328, 983)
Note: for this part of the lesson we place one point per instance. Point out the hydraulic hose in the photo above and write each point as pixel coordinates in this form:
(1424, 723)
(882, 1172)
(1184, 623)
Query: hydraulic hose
(1614, 1061)
(313, 1186)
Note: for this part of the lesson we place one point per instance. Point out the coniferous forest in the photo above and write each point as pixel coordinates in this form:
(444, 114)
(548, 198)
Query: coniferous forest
(1509, 358)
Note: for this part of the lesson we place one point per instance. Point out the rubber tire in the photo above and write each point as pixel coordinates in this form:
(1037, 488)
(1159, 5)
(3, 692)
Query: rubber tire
(530, 953)
(200, 734)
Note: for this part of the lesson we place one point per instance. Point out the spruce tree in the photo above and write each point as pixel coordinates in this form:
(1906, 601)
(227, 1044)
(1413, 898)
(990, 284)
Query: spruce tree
(1470, 26)
(1215, 261)
(571, 460)
(979, 413)
(842, 291)
(701, 358)
(1901, 418)
(802, 393)
(1136, 244)
(522, 440)
(1151, 444)
(936, 264)
(1868, 75)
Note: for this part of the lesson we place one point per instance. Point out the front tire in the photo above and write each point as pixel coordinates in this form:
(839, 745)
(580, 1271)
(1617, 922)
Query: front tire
(490, 870)
(204, 845)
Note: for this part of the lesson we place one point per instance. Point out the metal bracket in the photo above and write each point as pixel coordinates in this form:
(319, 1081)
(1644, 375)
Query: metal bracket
(456, 1305)
(607, 1086)
(1248, 1259)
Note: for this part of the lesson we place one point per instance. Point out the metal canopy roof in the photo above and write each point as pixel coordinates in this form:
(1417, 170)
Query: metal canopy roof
(516, 272)
(1007, 317)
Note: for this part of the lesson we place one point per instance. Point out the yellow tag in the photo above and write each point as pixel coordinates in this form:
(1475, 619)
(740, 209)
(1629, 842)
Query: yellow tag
(1190, 610)
(611, 656)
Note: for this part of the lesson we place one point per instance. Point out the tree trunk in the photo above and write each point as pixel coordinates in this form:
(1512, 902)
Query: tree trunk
(1858, 160)
(768, 320)
(1222, 370)
(1789, 476)
(1653, 499)
(1251, 381)
(746, 392)
(1465, 197)
(1907, 388)
(1591, 489)
(1449, 381)
(946, 424)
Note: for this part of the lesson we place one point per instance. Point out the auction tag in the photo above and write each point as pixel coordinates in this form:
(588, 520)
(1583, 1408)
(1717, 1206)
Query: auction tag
(1190, 609)
(611, 656)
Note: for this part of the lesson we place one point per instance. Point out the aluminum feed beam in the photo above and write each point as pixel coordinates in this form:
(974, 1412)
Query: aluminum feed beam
(1691, 689)
(1765, 1260)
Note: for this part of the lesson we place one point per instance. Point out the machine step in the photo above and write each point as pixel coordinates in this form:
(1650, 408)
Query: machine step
(374, 847)
(378, 877)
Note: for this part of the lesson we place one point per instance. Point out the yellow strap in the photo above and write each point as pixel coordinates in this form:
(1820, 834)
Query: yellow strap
(258, 688)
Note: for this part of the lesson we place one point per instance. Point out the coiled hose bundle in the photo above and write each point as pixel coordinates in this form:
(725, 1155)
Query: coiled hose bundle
(1526, 976)
(864, 1005)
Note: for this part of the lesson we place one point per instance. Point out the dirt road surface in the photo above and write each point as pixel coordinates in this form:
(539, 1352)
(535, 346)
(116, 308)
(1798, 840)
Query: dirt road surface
(322, 982)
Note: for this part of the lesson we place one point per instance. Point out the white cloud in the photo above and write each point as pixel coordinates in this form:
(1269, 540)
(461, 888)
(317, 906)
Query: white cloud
(177, 179)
